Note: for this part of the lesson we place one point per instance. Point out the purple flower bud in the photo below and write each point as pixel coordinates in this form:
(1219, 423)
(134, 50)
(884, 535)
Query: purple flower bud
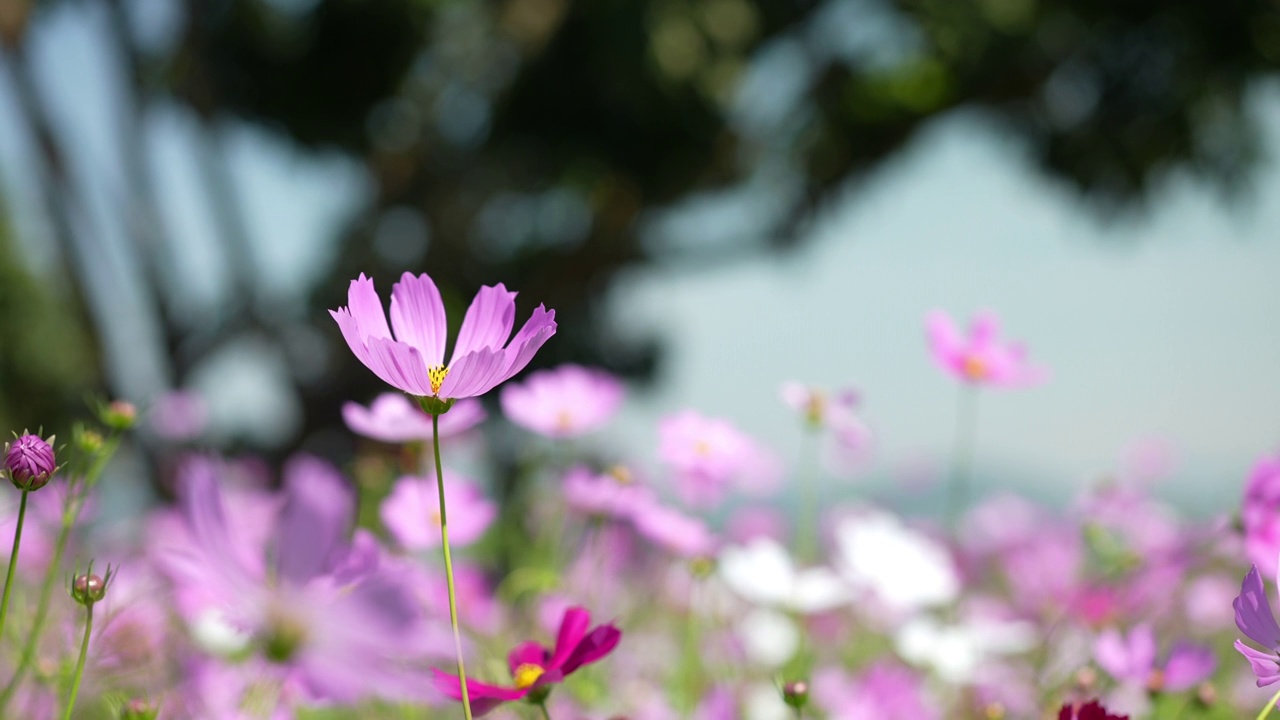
(88, 589)
(796, 694)
(29, 462)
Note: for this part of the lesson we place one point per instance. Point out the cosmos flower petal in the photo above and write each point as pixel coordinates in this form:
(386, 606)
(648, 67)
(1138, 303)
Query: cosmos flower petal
(1111, 652)
(313, 522)
(1266, 666)
(484, 697)
(598, 643)
(573, 628)
(1188, 666)
(528, 653)
(417, 316)
(944, 337)
(400, 365)
(366, 308)
(488, 322)
(1253, 612)
(470, 374)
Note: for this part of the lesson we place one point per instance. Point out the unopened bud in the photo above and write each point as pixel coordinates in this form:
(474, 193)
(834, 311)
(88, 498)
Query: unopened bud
(796, 694)
(88, 441)
(1207, 694)
(1086, 678)
(139, 710)
(29, 461)
(119, 415)
(88, 589)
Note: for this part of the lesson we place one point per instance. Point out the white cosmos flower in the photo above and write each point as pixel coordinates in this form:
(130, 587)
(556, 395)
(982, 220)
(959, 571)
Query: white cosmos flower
(905, 569)
(768, 637)
(958, 652)
(762, 572)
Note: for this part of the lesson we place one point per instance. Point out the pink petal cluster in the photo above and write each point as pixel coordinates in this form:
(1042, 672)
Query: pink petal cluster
(566, 402)
(1132, 659)
(1260, 512)
(394, 418)
(484, 356)
(411, 512)
(981, 358)
(708, 456)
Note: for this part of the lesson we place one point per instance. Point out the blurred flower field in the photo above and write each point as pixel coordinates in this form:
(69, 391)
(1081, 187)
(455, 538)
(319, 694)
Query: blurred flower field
(726, 584)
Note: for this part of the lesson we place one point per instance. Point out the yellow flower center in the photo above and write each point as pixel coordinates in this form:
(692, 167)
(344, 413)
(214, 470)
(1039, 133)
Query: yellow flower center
(816, 408)
(974, 368)
(436, 374)
(621, 473)
(527, 674)
(564, 421)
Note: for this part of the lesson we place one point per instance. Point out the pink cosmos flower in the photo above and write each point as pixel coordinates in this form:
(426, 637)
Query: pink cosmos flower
(1132, 659)
(534, 666)
(565, 402)
(708, 455)
(883, 691)
(414, 360)
(981, 358)
(836, 414)
(179, 415)
(613, 494)
(682, 534)
(1091, 710)
(414, 500)
(1260, 511)
(393, 418)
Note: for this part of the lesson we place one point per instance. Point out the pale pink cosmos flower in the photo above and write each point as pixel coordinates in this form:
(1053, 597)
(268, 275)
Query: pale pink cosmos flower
(1131, 659)
(415, 498)
(568, 401)
(680, 534)
(414, 360)
(1260, 511)
(612, 494)
(981, 358)
(836, 414)
(709, 455)
(394, 418)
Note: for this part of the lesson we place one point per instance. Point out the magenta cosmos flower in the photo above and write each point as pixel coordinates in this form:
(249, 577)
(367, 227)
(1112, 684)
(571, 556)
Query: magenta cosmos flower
(1255, 620)
(534, 666)
(982, 358)
(568, 401)
(413, 361)
(1091, 710)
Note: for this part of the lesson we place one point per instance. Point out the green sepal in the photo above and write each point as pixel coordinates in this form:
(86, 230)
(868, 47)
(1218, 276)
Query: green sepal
(433, 405)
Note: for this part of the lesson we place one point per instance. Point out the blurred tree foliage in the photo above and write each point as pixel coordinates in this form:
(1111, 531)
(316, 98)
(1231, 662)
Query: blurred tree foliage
(543, 142)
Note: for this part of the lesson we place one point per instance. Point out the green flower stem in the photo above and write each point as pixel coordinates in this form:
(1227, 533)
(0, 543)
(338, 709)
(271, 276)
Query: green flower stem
(76, 492)
(84, 652)
(807, 512)
(1266, 709)
(448, 569)
(543, 707)
(962, 454)
(13, 562)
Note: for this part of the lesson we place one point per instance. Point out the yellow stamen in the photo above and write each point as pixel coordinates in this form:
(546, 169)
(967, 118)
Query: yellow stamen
(527, 674)
(564, 421)
(702, 448)
(621, 473)
(974, 368)
(436, 374)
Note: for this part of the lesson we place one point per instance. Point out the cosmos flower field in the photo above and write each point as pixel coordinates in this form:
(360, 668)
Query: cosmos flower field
(723, 584)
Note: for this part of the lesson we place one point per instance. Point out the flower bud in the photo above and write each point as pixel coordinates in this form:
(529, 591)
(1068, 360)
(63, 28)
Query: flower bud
(1207, 694)
(88, 589)
(796, 694)
(119, 415)
(29, 462)
(88, 441)
(139, 710)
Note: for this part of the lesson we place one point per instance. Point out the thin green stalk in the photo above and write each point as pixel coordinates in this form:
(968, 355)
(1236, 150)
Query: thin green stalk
(448, 569)
(13, 562)
(1266, 709)
(543, 707)
(84, 652)
(807, 513)
(962, 454)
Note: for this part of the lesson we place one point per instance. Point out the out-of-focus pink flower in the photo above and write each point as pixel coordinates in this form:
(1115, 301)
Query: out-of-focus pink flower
(754, 522)
(1260, 512)
(534, 666)
(413, 361)
(708, 456)
(565, 402)
(883, 691)
(393, 418)
(681, 534)
(837, 414)
(1207, 602)
(179, 415)
(1132, 659)
(312, 603)
(613, 494)
(412, 511)
(982, 358)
